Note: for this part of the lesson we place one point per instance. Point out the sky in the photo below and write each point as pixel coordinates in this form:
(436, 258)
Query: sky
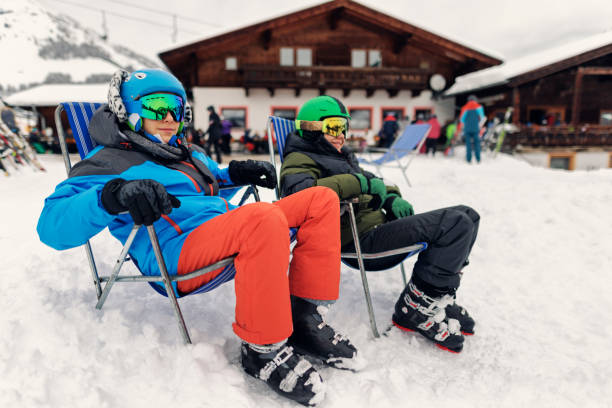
(508, 28)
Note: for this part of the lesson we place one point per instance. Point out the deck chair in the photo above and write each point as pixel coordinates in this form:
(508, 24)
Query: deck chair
(79, 114)
(408, 144)
(279, 128)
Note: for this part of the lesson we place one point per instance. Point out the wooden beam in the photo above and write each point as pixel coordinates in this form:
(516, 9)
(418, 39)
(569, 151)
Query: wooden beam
(334, 17)
(392, 92)
(369, 92)
(346, 92)
(246, 91)
(265, 38)
(516, 105)
(399, 42)
(577, 96)
(322, 91)
(298, 91)
(271, 91)
(596, 70)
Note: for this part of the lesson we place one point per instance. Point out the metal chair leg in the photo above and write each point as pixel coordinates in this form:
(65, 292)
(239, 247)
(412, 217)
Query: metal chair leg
(93, 269)
(118, 264)
(364, 279)
(166, 279)
(403, 274)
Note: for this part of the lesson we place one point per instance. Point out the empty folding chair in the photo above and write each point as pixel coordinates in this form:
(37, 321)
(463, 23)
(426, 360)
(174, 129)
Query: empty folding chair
(79, 115)
(280, 128)
(408, 144)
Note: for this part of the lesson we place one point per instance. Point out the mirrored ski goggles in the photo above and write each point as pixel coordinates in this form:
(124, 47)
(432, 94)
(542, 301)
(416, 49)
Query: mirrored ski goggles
(156, 106)
(330, 126)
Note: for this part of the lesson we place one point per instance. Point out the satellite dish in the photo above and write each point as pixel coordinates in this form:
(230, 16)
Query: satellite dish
(437, 82)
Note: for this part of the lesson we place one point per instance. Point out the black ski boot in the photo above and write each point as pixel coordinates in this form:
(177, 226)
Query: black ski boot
(312, 336)
(455, 311)
(287, 373)
(415, 311)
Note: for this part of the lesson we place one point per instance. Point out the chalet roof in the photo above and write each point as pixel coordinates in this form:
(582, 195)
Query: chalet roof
(350, 7)
(535, 65)
(52, 95)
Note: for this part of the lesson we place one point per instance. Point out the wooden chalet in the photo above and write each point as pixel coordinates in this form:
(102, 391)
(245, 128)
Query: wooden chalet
(560, 99)
(374, 62)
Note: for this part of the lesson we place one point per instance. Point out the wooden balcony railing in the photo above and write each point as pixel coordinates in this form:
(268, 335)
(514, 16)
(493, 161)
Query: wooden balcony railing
(584, 135)
(334, 77)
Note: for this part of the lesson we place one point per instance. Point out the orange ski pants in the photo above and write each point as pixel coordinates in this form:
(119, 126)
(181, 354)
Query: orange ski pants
(259, 234)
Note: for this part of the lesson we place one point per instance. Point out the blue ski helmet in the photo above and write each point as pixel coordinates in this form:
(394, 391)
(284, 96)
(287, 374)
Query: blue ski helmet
(144, 82)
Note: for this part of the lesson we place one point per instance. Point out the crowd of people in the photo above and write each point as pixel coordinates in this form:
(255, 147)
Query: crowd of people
(137, 176)
(468, 128)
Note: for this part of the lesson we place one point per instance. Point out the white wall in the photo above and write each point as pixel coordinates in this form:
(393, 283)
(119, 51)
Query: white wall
(259, 103)
(588, 160)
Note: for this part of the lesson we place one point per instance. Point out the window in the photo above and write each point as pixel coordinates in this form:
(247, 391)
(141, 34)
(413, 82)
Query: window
(286, 56)
(237, 116)
(361, 118)
(231, 63)
(422, 112)
(398, 113)
(374, 58)
(287, 112)
(358, 58)
(304, 57)
(563, 161)
(605, 118)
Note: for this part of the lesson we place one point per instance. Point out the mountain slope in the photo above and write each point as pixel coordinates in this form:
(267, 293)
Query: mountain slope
(38, 46)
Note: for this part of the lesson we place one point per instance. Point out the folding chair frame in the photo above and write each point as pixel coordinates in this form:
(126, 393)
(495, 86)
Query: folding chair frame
(411, 153)
(103, 292)
(358, 254)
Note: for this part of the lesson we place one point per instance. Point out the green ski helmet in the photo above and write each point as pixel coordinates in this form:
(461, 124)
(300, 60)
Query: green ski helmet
(322, 107)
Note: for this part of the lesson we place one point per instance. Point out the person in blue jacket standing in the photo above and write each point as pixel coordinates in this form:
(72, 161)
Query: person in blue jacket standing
(471, 119)
(144, 172)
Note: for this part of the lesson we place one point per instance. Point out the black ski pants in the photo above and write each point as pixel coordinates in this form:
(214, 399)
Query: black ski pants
(449, 232)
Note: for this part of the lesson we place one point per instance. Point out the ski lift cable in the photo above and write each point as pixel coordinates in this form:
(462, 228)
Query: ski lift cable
(165, 13)
(143, 20)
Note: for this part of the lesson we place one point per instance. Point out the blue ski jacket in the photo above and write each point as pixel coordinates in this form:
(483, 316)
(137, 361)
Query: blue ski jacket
(471, 115)
(74, 213)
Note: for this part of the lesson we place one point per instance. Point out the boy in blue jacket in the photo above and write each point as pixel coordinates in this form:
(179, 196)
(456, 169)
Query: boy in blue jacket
(142, 172)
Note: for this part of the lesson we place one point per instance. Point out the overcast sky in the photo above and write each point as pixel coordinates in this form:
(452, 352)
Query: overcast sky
(509, 28)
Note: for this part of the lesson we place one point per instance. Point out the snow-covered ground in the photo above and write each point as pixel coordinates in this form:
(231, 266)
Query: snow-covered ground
(539, 286)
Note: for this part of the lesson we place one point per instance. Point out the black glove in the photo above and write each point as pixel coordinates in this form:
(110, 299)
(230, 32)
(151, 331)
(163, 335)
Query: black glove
(146, 200)
(260, 173)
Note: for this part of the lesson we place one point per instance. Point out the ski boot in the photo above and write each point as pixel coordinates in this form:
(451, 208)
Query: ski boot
(455, 311)
(415, 311)
(314, 337)
(287, 373)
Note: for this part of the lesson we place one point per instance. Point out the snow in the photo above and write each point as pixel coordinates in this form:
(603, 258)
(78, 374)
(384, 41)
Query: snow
(538, 286)
(52, 95)
(503, 73)
(48, 47)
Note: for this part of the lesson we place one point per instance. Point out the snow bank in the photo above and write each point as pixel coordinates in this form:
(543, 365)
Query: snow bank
(538, 286)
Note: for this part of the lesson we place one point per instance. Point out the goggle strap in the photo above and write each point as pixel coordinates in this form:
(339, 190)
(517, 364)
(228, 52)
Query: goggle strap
(311, 125)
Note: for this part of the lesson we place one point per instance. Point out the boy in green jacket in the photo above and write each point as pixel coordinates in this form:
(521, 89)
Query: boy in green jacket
(315, 155)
